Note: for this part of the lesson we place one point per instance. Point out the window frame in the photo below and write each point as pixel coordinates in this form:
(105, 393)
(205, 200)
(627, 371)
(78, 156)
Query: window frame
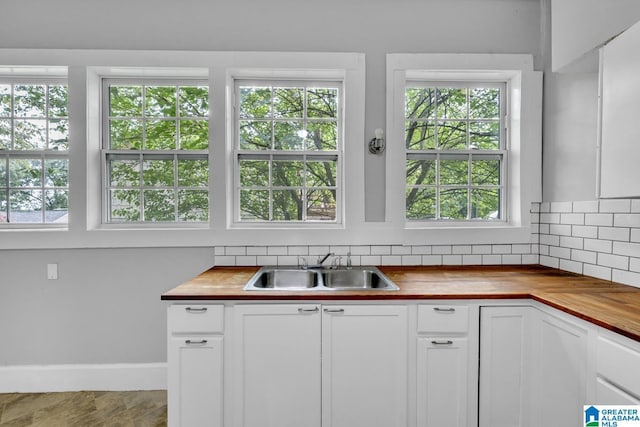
(272, 154)
(46, 76)
(524, 138)
(175, 154)
(436, 153)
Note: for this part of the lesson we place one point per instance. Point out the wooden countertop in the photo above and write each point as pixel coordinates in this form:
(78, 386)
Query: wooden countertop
(610, 305)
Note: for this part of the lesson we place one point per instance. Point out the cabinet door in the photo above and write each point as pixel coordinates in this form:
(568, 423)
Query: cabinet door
(505, 366)
(364, 366)
(561, 378)
(442, 382)
(608, 394)
(195, 381)
(277, 365)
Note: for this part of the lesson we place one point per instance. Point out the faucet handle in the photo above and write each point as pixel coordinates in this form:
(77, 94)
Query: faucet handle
(302, 262)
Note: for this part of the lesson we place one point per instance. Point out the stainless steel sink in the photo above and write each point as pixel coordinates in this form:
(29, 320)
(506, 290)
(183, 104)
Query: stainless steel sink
(292, 279)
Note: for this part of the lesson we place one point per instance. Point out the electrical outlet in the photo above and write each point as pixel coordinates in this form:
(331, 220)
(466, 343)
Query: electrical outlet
(52, 271)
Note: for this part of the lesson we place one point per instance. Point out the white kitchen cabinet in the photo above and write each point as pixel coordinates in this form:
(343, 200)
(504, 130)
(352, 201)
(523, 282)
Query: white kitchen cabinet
(506, 370)
(364, 365)
(195, 365)
(560, 378)
(618, 376)
(276, 365)
(446, 373)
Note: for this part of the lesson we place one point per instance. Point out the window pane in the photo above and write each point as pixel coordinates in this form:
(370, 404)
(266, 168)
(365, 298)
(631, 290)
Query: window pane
(56, 206)
(485, 172)
(124, 173)
(58, 98)
(454, 172)
(287, 102)
(5, 134)
(5, 100)
(254, 205)
(158, 173)
(321, 173)
(484, 103)
(254, 173)
(25, 173)
(287, 205)
(452, 135)
(126, 134)
(194, 101)
(194, 134)
(322, 136)
(288, 136)
(421, 172)
(3, 207)
(3, 172)
(59, 134)
(322, 103)
(485, 204)
(125, 101)
(484, 135)
(161, 135)
(193, 205)
(255, 135)
(193, 173)
(25, 206)
(30, 134)
(321, 205)
(255, 102)
(420, 103)
(56, 173)
(125, 205)
(288, 174)
(452, 103)
(159, 205)
(420, 135)
(160, 101)
(421, 203)
(453, 203)
(30, 100)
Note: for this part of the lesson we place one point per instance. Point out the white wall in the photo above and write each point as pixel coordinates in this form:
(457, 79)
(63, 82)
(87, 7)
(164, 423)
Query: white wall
(105, 308)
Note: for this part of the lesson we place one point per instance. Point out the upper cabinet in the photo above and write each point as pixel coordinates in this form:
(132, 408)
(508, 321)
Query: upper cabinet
(579, 27)
(620, 110)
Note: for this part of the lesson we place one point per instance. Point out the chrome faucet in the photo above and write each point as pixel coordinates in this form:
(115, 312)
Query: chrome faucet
(321, 260)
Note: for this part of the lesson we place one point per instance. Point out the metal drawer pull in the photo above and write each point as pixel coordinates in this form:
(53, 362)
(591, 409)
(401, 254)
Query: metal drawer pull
(192, 342)
(447, 342)
(334, 310)
(308, 310)
(196, 310)
(447, 310)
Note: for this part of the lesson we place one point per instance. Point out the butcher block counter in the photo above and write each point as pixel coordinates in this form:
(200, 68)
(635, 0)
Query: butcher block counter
(610, 305)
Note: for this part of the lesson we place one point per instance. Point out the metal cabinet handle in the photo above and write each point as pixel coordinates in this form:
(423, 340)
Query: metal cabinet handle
(196, 310)
(334, 310)
(443, 342)
(308, 310)
(444, 310)
(194, 342)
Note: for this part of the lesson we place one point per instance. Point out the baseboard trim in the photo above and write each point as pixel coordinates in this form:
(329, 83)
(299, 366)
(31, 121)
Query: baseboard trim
(107, 377)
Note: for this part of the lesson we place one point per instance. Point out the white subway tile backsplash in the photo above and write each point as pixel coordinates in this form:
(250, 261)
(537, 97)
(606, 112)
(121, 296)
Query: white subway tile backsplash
(635, 205)
(549, 239)
(256, 250)
(411, 260)
(471, 259)
(597, 271)
(614, 233)
(572, 266)
(634, 264)
(572, 242)
(277, 250)
(624, 248)
(531, 259)
(266, 260)
(501, 249)
(615, 205)
(635, 235)
(441, 250)
(613, 261)
(381, 250)
(421, 250)
(452, 259)
(585, 206)
(342, 250)
(560, 229)
(544, 229)
(561, 207)
(626, 277)
(218, 250)
(589, 231)
(391, 260)
(360, 250)
(626, 220)
(559, 252)
(246, 260)
(371, 260)
(549, 261)
(572, 218)
(400, 250)
(298, 250)
(584, 256)
(225, 260)
(549, 218)
(545, 207)
(481, 249)
(521, 249)
(605, 246)
(604, 219)
(512, 259)
(320, 250)
(431, 259)
(491, 259)
(461, 249)
(535, 207)
(288, 260)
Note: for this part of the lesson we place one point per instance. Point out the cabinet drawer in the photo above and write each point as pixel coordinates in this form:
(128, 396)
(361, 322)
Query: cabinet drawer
(619, 363)
(196, 318)
(437, 318)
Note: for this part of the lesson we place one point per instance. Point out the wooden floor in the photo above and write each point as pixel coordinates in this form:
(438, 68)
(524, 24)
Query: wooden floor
(84, 409)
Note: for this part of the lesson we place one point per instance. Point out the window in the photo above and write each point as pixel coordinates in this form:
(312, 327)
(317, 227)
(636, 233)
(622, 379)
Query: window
(288, 149)
(455, 151)
(155, 151)
(34, 144)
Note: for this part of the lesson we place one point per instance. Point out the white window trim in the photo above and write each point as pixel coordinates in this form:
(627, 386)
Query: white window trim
(523, 178)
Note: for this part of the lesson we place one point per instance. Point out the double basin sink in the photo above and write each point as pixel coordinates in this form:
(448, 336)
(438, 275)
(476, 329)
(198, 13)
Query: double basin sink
(295, 279)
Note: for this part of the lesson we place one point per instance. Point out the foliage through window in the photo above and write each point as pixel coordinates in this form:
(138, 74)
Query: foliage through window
(156, 151)
(34, 143)
(455, 151)
(288, 151)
